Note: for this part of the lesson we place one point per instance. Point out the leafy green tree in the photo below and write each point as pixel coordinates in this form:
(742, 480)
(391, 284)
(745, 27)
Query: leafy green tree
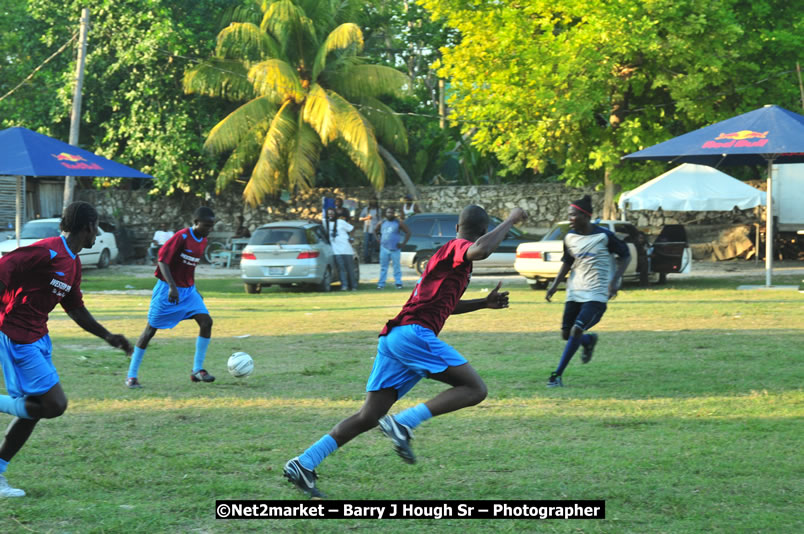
(577, 84)
(134, 108)
(305, 87)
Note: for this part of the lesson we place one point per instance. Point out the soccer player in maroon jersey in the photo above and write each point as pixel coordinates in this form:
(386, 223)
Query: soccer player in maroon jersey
(175, 297)
(409, 350)
(33, 280)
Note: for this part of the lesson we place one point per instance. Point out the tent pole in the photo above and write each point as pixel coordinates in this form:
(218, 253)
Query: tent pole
(769, 227)
(18, 220)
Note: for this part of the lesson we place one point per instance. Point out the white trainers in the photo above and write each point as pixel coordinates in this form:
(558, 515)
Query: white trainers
(8, 491)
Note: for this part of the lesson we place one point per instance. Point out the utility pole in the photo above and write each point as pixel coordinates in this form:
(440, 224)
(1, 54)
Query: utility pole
(800, 85)
(442, 107)
(75, 119)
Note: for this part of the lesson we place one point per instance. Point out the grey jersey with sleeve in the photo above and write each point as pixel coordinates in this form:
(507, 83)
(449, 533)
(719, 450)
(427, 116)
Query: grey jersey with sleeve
(592, 263)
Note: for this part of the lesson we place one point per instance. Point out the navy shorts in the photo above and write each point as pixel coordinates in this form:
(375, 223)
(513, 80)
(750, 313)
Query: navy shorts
(583, 314)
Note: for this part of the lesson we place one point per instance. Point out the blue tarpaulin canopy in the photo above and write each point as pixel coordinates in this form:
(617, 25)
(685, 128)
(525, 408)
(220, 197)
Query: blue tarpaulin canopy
(26, 153)
(766, 135)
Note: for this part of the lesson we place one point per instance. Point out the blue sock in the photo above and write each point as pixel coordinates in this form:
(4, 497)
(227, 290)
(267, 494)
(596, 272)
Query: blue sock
(569, 351)
(413, 417)
(318, 451)
(586, 339)
(3, 466)
(201, 344)
(136, 360)
(13, 406)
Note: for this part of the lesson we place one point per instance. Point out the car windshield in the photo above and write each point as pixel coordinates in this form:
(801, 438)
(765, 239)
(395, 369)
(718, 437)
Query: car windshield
(278, 236)
(39, 230)
(557, 233)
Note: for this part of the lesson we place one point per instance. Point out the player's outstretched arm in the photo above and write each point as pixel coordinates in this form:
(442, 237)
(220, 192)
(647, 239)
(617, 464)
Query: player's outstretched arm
(495, 300)
(84, 319)
(488, 243)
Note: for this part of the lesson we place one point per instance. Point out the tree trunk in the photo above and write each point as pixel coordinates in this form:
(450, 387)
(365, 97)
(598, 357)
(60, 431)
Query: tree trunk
(611, 190)
(403, 175)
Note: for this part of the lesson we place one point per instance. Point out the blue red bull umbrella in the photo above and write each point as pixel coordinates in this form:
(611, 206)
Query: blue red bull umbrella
(26, 153)
(768, 135)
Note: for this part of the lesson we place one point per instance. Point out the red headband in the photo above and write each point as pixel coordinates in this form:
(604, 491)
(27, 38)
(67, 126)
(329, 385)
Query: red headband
(577, 207)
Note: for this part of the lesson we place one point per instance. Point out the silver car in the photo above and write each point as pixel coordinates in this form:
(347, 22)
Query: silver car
(289, 253)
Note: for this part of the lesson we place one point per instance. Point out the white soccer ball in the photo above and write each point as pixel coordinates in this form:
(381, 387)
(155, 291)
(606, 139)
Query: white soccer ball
(240, 364)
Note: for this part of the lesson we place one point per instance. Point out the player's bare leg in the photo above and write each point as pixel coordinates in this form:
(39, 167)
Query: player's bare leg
(467, 390)
(376, 405)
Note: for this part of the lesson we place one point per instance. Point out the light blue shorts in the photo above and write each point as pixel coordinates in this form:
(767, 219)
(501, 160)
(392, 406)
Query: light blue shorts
(407, 354)
(28, 367)
(163, 314)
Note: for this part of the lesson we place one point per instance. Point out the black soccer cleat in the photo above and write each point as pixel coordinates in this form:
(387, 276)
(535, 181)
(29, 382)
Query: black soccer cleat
(555, 381)
(201, 376)
(400, 435)
(586, 356)
(302, 478)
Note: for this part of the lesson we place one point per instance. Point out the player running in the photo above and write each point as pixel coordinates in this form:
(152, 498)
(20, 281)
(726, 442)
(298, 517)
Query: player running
(408, 350)
(588, 251)
(33, 280)
(175, 297)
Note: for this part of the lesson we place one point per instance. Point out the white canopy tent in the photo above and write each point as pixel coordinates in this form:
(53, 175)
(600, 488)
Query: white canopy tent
(691, 187)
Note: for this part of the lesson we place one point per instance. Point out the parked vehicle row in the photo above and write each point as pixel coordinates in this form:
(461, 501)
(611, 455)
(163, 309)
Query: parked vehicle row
(101, 255)
(431, 230)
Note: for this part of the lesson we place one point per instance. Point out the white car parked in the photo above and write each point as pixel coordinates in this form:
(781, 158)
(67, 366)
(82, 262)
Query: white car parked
(540, 261)
(103, 253)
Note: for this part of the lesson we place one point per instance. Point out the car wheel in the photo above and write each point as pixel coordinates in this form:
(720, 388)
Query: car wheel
(252, 288)
(537, 285)
(326, 281)
(105, 259)
(421, 262)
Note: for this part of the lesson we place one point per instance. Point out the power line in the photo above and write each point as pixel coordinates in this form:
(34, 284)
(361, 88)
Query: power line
(45, 62)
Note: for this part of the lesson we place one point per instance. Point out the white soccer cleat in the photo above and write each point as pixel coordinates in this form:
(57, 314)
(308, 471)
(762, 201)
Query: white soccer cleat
(8, 491)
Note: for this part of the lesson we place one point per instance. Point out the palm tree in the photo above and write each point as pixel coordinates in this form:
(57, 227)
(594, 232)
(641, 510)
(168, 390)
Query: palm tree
(304, 87)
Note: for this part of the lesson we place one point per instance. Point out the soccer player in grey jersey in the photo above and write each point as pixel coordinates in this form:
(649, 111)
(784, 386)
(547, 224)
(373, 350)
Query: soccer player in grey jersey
(588, 251)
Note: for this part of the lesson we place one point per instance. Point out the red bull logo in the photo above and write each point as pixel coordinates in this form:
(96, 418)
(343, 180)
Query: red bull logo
(64, 156)
(743, 138)
(74, 161)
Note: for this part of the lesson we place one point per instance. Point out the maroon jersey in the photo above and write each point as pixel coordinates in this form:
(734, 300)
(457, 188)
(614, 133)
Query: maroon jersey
(182, 252)
(37, 277)
(438, 290)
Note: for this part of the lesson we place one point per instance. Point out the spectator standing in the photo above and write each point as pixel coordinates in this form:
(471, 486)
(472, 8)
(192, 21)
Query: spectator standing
(341, 211)
(409, 207)
(389, 234)
(370, 215)
(338, 230)
(160, 238)
(241, 231)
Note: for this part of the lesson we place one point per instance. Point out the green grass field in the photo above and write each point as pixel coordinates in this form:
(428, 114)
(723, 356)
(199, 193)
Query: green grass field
(687, 420)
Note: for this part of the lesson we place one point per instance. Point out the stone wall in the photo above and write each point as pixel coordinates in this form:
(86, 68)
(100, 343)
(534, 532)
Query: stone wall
(140, 213)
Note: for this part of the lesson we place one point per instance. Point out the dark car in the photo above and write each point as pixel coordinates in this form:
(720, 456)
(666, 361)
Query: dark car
(431, 230)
